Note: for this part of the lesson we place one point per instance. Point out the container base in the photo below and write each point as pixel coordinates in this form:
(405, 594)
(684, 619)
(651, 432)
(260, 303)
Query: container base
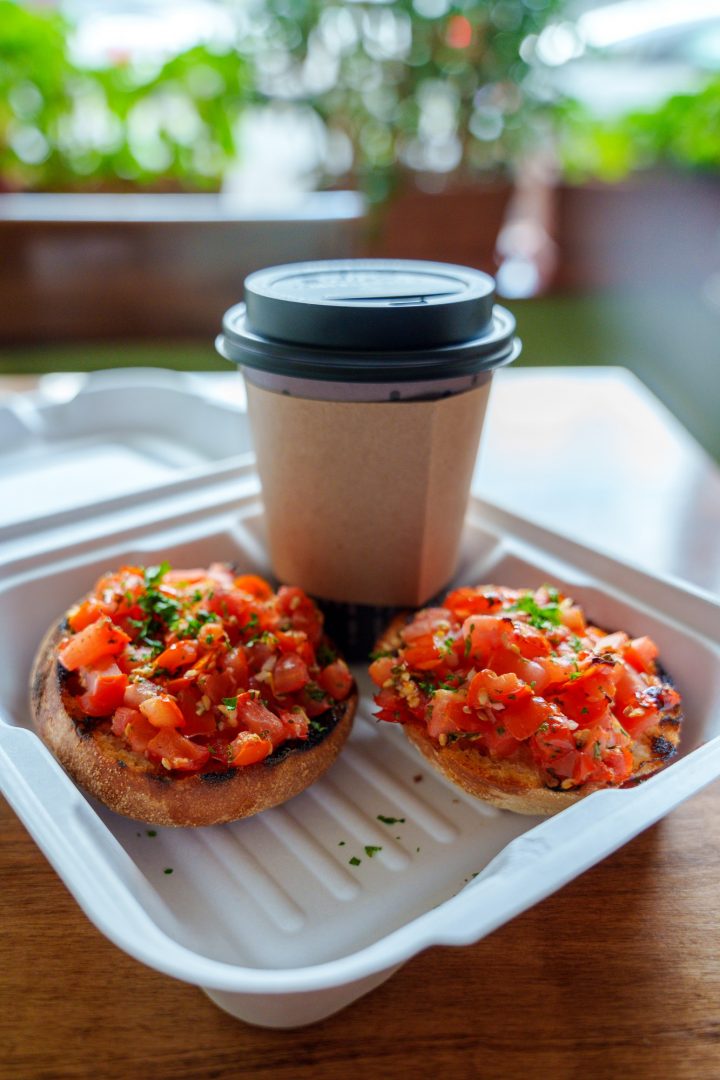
(295, 1010)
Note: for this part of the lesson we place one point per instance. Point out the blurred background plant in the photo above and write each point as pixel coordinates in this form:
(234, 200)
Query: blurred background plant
(120, 122)
(432, 86)
(155, 95)
(682, 132)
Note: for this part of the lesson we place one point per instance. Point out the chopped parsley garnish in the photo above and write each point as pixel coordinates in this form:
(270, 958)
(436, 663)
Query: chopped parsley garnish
(168, 870)
(230, 702)
(539, 616)
(378, 654)
(153, 575)
(426, 687)
(194, 623)
(325, 655)
(354, 861)
(314, 692)
(161, 612)
(391, 820)
(371, 849)
(150, 832)
(446, 647)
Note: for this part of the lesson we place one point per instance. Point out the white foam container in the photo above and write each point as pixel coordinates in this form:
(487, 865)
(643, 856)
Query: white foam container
(268, 915)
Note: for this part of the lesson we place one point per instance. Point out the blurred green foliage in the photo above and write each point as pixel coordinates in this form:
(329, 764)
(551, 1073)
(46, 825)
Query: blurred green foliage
(125, 125)
(428, 85)
(433, 86)
(682, 132)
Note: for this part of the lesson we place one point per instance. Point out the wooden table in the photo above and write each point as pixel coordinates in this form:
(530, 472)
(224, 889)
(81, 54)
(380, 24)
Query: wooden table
(617, 974)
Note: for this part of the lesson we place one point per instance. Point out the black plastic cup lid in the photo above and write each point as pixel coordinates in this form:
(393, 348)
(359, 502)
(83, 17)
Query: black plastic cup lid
(369, 320)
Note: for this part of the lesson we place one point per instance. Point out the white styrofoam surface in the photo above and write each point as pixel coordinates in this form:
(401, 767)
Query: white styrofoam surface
(269, 915)
(81, 441)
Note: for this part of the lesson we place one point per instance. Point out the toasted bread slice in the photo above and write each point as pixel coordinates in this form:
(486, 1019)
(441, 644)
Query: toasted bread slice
(517, 785)
(127, 782)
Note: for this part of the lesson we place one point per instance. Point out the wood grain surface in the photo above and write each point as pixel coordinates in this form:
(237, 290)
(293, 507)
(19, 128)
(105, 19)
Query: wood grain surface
(618, 974)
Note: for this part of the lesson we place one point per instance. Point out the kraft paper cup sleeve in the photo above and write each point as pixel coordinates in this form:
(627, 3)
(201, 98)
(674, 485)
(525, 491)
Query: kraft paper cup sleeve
(365, 501)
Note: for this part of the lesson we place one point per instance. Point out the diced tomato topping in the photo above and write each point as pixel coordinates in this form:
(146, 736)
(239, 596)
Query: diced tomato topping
(258, 653)
(253, 715)
(297, 723)
(177, 655)
(336, 680)
(254, 586)
(289, 674)
(585, 698)
(295, 641)
(139, 732)
(448, 714)
(211, 635)
(529, 640)
(422, 653)
(464, 602)
(99, 639)
(642, 652)
(487, 686)
(88, 612)
(496, 737)
(216, 686)
(425, 624)
(522, 719)
(381, 669)
(122, 717)
(611, 642)
(301, 611)
(573, 618)
(138, 691)
(629, 685)
(247, 748)
(175, 751)
(396, 713)
(232, 605)
(162, 711)
(520, 672)
(313, 700)
(104, 686)
(218, 657)
(236, 665)
(198, 714)
(183, 577)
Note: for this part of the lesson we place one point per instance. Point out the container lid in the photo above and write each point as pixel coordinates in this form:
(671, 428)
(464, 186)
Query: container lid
(369, 320)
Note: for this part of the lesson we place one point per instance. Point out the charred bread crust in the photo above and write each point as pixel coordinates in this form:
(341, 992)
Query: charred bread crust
(514, 785)
(105, 767)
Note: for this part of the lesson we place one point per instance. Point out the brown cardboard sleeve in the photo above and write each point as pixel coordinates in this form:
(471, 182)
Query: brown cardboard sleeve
(365, 501)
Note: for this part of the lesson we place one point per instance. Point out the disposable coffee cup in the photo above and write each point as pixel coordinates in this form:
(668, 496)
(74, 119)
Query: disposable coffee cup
(367, 385)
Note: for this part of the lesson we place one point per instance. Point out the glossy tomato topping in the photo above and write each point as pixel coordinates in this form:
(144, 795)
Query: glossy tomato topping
(201, 669)
(519, 675)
